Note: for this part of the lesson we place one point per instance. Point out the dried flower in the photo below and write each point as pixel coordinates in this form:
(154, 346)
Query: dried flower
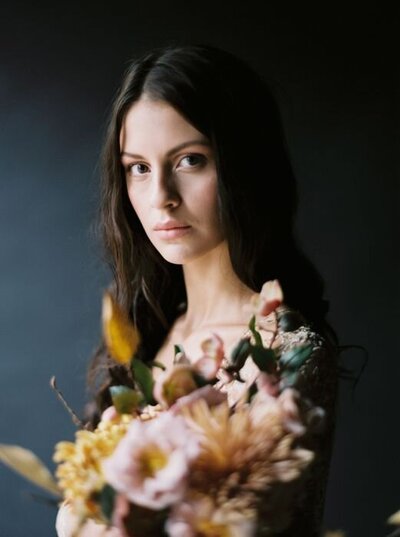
(120, 335)
(173, 384)
(242, 453)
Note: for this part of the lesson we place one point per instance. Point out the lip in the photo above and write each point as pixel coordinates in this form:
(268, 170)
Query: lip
(171, 230)
(172, 233)
(169, 224)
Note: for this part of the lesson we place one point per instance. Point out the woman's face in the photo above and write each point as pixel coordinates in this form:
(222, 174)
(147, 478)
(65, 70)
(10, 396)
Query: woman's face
(171, 180)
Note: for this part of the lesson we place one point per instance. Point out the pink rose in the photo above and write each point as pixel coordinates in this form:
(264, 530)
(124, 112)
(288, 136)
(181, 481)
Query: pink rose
(151, 463)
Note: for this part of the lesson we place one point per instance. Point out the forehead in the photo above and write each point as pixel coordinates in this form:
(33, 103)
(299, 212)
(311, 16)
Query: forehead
(150, 123)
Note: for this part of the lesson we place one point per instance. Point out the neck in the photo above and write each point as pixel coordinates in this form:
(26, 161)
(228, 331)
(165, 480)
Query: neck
(215, 294)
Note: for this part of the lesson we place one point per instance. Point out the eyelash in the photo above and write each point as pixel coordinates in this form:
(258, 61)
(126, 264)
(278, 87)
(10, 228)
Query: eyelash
(200, 158)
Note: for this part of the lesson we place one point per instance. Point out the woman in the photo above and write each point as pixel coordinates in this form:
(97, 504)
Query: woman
(198, 207)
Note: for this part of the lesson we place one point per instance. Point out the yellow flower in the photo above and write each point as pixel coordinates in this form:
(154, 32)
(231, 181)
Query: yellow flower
(79, 472)
(121, 336)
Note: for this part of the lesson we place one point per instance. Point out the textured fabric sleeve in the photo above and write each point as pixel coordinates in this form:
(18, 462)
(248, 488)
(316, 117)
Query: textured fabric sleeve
(318, 382)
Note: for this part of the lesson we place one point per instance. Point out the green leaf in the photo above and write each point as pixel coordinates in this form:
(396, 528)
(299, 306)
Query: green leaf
(264, 358)
(27, 464)
(200, 380)
(256, 334)
(240, 353)
(288, 321)
(295, 358)
(125, 399)
(106, 499)
(143, 376)
(178, 349)
(289, 379)
(252, 391)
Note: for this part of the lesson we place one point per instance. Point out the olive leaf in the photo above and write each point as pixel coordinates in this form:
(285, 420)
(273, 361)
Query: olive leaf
(294, 358)
(255, 332)
(107, 499)
(289, 379)
(27, 464)
(240, 353)
(125, 399)
(265, 359)
(289, 321)
(144, 378)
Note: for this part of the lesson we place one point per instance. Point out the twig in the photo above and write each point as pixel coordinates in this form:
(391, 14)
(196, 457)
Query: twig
(78, 422)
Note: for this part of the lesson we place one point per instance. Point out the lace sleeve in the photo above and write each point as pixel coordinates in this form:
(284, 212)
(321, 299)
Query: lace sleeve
(318, 381)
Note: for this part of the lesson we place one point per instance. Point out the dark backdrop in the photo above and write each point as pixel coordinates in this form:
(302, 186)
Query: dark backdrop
(60, 66)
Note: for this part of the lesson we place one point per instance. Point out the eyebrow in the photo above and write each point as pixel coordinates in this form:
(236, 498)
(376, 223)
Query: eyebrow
(173, 150)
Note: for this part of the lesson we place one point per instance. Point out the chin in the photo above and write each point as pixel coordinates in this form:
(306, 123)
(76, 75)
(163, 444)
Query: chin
(176, 254)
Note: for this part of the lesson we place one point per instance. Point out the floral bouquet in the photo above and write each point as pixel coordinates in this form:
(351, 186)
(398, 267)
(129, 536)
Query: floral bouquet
(175, 455)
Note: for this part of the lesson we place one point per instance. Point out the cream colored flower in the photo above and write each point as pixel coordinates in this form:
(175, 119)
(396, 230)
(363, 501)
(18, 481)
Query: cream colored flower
(199, 516)
(394, 519)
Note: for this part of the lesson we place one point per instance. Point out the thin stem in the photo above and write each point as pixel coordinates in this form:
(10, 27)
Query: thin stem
(78, 422)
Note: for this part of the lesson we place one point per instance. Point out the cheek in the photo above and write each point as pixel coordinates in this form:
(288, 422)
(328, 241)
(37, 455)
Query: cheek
(208, 200)
(136, 200)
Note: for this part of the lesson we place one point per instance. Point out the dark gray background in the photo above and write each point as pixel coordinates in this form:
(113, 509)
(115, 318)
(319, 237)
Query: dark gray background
(337, 68)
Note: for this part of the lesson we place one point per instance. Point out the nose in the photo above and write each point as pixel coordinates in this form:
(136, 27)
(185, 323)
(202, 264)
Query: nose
(164, 192)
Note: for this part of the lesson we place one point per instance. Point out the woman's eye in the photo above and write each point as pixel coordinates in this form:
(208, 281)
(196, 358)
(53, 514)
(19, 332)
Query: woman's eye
(137, 169)
(191, 160)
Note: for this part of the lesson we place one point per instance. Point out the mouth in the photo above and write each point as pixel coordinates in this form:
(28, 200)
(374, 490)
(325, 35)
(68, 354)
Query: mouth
(171, 231)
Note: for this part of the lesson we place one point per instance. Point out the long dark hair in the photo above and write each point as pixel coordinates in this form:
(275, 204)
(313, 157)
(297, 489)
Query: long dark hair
(228, 101)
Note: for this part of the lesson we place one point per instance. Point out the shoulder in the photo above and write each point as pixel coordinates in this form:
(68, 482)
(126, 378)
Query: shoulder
(318, 375)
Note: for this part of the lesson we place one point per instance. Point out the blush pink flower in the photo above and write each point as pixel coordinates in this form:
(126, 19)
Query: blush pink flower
(173, 384)
(268, 383)
(151, 463)
(286, 405)
(208, 365)
(209, 394)
(269, 298)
